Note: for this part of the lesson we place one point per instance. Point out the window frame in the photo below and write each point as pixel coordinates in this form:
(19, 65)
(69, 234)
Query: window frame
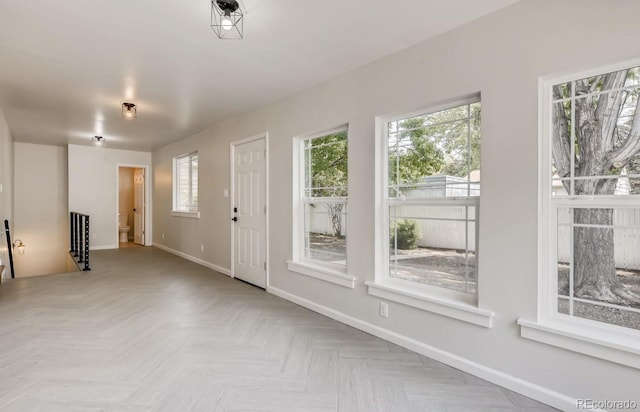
(443, 301)
(175, 211)
(591, 337)
(300, 263)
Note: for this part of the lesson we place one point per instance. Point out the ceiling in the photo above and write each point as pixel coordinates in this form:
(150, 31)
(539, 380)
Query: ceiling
(66, 66)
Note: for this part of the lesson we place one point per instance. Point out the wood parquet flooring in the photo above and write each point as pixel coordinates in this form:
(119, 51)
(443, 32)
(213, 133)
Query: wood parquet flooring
(148, 331)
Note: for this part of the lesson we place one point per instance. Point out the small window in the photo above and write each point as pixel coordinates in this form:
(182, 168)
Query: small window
(185, 183)
(432, 197)
(321, 223)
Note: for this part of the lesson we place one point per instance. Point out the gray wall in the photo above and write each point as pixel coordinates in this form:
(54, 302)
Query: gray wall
(501, 56)
(93, 188)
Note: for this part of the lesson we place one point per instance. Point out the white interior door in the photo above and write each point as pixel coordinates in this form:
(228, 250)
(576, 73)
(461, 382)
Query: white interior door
(249, 203)
(138, 206)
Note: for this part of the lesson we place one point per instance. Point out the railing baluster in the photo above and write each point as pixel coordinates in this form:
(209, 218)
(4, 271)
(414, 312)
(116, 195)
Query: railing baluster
(75, 234)
(70, 232)
(80, 239)
(86, 243)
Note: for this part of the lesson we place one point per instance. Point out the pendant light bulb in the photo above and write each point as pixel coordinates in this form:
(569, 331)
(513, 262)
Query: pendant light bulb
(226, 21)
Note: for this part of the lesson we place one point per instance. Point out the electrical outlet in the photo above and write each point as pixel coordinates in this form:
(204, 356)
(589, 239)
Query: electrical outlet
(202, 248)
(384, 309)
(163, 236)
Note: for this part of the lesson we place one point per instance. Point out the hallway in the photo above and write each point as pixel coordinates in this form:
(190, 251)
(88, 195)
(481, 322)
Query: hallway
(145, 330)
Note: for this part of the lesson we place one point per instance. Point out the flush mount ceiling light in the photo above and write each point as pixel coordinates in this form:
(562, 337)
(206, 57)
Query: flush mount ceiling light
(98, 141)
(226, 19)
(129, 110)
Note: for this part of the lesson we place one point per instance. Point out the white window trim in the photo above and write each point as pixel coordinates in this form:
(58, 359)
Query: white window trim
(311, 269)
(445, 302)
(325, 271)
(593, 338)
(194, 214)
(442, 301)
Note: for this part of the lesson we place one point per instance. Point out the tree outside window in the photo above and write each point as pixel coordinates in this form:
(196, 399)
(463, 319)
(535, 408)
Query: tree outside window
(325, 197)
(433, 186)
(595, 172)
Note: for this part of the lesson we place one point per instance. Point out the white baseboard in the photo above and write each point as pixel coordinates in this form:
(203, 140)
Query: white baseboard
(204, 263)
(521, 386)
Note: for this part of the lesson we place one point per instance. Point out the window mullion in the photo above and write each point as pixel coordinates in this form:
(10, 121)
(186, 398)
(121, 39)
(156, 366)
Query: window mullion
(573, 138)
(190, 184)
(571, 260)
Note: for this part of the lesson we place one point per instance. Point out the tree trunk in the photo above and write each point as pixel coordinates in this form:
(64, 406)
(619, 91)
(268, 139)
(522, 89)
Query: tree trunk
(594, 266)
(335, 217)
(593, 257)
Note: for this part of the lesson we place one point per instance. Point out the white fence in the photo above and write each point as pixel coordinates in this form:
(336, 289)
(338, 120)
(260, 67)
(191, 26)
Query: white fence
(317, 219)
(626, 238)
(444, 227)
(441, 227)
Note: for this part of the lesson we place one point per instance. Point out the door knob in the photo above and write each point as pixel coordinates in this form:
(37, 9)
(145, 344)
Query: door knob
(235, 219)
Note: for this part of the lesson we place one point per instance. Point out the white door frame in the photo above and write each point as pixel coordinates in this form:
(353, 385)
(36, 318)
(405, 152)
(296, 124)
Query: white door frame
(147, 200)
(232, 164)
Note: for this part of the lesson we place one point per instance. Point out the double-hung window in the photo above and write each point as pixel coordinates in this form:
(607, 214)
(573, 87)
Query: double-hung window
(589, 218)
(320, 206)
(185, 185)
(429, 195)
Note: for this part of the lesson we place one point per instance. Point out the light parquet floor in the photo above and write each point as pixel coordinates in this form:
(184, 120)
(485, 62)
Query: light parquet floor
(148, 331)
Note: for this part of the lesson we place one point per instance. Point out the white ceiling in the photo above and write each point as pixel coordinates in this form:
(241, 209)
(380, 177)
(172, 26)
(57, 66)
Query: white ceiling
(67, 65)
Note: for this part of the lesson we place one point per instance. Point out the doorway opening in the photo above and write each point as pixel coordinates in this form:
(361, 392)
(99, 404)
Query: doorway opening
(131, 206)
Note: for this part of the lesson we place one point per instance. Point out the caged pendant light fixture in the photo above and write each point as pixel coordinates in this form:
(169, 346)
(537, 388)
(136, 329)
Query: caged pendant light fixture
(129, 111)
(98, 141)
(227, 19)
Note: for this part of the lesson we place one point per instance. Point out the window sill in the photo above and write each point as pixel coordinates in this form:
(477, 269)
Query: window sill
(323, 273)
(192, 215)
(619, 347)
(442, 305)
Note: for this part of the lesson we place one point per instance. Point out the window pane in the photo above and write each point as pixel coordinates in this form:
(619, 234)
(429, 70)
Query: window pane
(186, 183)
(435, 155)
(599, 264)
(325, 229)
(193, 206)
(561, 91)
(326, 166)
(434, 245)
(561, 165)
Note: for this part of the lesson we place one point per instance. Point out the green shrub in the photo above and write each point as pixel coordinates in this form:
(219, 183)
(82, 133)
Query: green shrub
(408, 234)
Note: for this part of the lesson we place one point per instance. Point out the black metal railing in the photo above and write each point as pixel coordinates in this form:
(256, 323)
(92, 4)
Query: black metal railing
(9, 249)
(79, 238)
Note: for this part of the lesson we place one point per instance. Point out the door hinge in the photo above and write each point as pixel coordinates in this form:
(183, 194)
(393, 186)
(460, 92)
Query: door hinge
(265, 210)
(265, 265)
